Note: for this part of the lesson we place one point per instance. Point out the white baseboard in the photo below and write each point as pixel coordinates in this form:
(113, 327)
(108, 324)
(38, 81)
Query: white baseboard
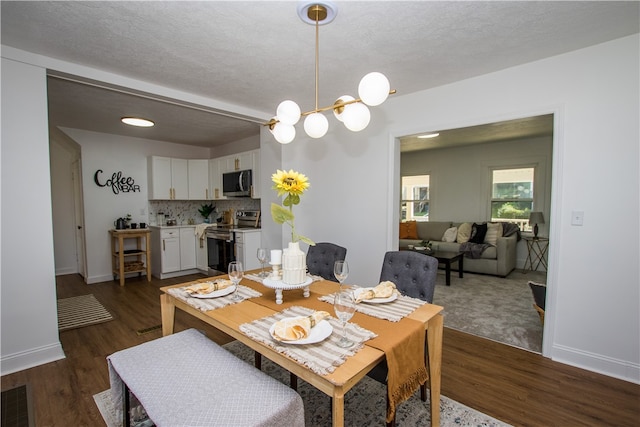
(616, 368)
(64, 271)
(30, 358)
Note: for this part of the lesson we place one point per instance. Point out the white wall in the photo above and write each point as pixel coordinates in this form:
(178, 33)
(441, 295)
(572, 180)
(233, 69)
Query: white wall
(460, 179)
(27, 279)
(594, 297)
(112, 154)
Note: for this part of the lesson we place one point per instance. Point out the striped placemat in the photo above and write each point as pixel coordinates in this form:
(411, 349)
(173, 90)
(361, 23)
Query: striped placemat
(76, 312)
(206, 304)
(393, 311)
(322, 357)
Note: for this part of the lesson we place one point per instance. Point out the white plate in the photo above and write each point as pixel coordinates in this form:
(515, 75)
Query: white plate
(393, 297)
(215, 294)
(420, 248)
(318, 333)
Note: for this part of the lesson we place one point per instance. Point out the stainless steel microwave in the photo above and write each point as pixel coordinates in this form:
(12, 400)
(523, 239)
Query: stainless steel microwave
(237, 184)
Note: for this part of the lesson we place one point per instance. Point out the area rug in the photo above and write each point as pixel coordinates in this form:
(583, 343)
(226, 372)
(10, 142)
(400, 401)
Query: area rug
(364, 404)
(500, 309)
(76, 312)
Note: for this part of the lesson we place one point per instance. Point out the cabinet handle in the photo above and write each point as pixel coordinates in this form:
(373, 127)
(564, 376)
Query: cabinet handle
(237, 164)
(206, 193)
(216, 193)
(163, 247)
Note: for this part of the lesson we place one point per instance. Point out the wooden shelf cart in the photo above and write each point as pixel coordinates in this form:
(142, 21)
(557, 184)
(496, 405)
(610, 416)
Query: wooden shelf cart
(137, 260)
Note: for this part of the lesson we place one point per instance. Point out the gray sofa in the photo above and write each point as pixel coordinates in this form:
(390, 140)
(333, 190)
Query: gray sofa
(498, 260)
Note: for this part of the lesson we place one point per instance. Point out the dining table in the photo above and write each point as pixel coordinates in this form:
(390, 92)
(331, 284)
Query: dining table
(242, 319)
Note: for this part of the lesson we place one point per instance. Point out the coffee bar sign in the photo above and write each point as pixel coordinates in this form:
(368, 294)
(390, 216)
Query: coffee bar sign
(117, 182)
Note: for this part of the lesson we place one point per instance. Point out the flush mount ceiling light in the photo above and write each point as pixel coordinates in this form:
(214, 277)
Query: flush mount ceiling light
(373, 90)
(137, 121)
(429, 135)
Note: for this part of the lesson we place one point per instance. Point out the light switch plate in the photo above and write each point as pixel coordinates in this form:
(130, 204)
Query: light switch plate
(577, 217)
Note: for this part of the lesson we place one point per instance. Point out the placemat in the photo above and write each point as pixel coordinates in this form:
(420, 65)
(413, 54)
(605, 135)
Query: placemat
(323, 357)
(206, 304)
(393, 311)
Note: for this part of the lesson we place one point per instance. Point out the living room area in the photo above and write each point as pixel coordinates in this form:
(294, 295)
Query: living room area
(483, 177)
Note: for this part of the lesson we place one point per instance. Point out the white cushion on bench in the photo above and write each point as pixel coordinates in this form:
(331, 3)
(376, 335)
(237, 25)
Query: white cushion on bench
(185, 379)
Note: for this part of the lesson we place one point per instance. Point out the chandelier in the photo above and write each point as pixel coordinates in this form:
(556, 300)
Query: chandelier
(373, 90)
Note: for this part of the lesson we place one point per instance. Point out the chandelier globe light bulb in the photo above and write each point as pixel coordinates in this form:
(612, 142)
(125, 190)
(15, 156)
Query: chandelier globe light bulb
(339, 112)
(356, 117)
(316, 125)
(374, 88)
(288, 112)
(284, 134)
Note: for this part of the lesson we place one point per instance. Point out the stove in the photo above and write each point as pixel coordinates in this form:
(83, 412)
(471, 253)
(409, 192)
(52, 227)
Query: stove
(221, 240)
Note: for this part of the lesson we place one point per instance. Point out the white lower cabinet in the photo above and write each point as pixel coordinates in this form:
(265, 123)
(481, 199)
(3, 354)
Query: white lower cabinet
(247, 244)
(173, 251)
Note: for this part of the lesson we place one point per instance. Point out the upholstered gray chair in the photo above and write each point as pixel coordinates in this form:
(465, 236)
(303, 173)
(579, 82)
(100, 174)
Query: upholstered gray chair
(414, 275)
(322, 256)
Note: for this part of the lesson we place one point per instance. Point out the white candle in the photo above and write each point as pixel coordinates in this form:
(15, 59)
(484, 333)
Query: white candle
(276, 256)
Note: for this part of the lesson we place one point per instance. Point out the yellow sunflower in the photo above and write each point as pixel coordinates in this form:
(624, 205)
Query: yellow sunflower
(292, 183)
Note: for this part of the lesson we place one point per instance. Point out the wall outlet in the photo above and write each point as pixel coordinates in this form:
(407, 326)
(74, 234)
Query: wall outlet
(577, 217)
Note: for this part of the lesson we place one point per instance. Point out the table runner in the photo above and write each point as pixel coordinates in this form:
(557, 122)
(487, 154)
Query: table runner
(322, 357)
(206, 304)
(392, 311)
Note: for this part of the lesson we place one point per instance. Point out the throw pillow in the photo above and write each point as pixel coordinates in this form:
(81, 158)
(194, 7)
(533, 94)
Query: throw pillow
(450, 235)
(478, 231)
(408, 230)
(494, 230)
(464, 231)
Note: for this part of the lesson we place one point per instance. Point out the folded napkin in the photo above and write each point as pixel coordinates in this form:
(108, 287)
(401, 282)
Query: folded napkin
(383, 290)
(204, 288)
(293, 329)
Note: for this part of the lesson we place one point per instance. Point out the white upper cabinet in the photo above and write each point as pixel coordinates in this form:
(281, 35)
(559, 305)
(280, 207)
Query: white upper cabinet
(238, 162)
(168, 178)
(199, 180)
(215, 177)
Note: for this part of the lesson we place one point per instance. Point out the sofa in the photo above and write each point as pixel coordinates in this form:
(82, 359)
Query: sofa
(489, 248)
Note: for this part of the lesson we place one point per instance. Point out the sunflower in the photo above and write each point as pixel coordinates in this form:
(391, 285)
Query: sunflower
(292, 183)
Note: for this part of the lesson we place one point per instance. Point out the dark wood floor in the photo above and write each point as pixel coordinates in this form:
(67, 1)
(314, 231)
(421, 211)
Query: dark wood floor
(513, 385)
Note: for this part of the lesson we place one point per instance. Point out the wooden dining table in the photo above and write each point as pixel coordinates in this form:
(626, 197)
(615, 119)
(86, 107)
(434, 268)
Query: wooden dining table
(336, 384)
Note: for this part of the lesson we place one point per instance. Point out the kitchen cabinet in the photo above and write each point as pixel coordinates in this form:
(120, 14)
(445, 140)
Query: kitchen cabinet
(247, 243)
(202, 261)
(168, 178)
(198, 172)
(173, 251)
(236, 162)
(215, 178)
(187, 248)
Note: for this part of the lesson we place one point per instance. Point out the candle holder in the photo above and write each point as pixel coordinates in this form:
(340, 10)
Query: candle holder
(276, 273)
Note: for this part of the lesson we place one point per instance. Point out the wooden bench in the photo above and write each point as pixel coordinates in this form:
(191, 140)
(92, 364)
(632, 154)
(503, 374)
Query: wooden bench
(187, 379)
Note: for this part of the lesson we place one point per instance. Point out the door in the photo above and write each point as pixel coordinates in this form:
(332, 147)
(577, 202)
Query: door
(76, 177)
(187, 248)
(170, 254)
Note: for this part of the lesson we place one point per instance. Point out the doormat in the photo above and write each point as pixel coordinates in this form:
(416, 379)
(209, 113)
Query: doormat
(16, 407)
(76, 312)
(148, 330)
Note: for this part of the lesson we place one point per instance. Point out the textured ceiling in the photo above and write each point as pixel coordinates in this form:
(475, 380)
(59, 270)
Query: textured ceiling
(252, 55)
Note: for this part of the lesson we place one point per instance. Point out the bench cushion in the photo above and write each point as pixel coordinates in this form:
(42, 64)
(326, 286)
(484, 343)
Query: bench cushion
(185, 379)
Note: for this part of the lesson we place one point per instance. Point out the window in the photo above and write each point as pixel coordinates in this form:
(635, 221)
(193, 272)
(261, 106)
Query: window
(415, 198)
(512, 196)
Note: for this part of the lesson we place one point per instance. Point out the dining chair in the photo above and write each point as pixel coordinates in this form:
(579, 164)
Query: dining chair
(322, 257)
(414, 275)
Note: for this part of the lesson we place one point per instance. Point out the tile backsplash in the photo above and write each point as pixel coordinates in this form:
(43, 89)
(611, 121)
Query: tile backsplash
(185, 210)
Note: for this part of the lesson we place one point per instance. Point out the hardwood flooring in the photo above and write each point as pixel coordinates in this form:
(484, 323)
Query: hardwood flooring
(513, 385)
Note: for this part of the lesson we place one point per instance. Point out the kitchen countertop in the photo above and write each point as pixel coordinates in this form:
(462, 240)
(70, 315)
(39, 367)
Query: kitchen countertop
(167, 227)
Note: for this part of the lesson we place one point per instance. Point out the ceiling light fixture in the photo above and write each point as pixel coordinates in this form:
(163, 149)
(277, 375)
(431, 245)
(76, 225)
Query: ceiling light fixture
(373, 90)
(137, 121)
(429, 135)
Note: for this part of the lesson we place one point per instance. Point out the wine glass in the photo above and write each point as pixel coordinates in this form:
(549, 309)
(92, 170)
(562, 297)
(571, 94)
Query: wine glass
(341, 271)
(235, 275)
(344, 304)
(262, 257)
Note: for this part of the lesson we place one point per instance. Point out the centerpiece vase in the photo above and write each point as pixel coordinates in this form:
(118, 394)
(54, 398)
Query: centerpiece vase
(294, 264)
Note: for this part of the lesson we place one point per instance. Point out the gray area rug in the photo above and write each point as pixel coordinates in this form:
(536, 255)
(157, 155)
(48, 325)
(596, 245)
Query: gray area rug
(500, 309)
(76, 312)
(364, 404)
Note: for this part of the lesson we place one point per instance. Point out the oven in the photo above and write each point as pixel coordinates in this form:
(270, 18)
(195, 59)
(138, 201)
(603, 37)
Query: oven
(220, 249)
